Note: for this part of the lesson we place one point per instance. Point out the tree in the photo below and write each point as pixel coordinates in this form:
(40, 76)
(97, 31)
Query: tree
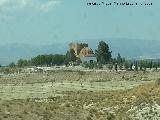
(78, 61)
(136, 66)
(155, 65)
(102, 53)
(85, 64)
(116, 67)
(12, 64)
(110, 66)
(47, 60)
(58, 59)
(151, 64)
(121, 66)
(70, 56)
(22, 63)
(143, 65)
(131, 65)
(119, 59)
(126, 65)
(113, 60)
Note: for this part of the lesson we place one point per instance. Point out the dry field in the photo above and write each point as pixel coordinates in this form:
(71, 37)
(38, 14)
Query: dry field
(80, 95)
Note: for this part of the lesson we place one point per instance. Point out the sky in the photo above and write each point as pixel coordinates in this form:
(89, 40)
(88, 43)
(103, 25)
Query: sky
(58, 21)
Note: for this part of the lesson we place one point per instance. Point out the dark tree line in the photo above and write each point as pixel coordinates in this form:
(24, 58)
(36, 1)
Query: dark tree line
(140, 64)
(43, 60)
(49, 60)
(102, 53)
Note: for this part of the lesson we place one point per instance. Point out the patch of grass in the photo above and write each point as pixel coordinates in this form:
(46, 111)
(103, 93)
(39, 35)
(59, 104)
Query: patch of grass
(81, 72)
(71, 105)
(157, 81)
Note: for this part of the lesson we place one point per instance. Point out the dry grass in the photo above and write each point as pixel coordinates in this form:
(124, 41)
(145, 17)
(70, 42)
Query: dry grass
(81, 104)
(91, 76)
(158, 81)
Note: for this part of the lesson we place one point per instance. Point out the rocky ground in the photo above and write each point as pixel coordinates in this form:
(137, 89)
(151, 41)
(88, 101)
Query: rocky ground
(80, 95)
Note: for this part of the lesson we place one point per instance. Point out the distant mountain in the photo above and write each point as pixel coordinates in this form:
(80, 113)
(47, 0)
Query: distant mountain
(128, 48)
(13, 52)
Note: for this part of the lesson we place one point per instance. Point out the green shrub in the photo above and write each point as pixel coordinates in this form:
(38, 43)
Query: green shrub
(110, 66)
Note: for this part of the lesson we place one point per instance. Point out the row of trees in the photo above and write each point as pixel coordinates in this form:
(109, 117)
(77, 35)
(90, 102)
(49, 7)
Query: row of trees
(43, 60)
(103, 55)
(141, 64)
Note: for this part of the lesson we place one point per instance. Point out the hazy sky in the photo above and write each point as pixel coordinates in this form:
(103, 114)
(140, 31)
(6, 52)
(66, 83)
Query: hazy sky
(50, 21)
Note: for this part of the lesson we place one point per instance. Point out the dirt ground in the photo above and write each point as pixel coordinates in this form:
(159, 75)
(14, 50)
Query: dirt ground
(80, 95)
